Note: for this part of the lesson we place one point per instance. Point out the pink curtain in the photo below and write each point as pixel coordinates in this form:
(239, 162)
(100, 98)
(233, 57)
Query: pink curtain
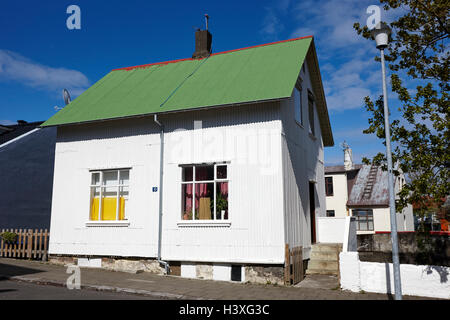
(188, 199)
(201, 189)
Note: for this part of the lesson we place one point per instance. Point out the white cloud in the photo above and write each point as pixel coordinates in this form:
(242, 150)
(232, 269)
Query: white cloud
(7, 122)
(272, 25)
(14, 67)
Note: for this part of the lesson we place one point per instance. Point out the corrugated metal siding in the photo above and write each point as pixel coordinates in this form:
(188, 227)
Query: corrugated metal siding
(256, 234)
(302, 162)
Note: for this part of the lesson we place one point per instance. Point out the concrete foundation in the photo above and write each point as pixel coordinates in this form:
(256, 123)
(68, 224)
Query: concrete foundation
(263, 274)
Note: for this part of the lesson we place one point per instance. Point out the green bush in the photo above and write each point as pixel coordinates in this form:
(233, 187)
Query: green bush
(9, 237)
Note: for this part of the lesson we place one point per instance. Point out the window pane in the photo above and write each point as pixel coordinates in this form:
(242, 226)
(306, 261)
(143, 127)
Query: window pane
(298, 105)
(330, 213)
(187, 174)
(203, 173)
(95, 178)
(363, 225)
(124, 177)
(329, 186)
(222, 200)
(370, 224)
(204, 201)
(221, 172)
(123, 202)
(109, 203)
(109, 178)
(186, 201)
(311, 116)
(95, 203)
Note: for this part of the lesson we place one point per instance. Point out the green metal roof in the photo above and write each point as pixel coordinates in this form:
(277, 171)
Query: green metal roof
(251, 74)
(264, 72)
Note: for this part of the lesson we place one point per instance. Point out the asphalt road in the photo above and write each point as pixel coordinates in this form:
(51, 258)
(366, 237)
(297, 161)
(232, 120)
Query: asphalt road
(15, 290)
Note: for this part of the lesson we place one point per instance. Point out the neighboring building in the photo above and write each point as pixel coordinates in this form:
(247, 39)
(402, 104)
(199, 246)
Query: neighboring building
(27, 155)
(362, 191)
(237, 138)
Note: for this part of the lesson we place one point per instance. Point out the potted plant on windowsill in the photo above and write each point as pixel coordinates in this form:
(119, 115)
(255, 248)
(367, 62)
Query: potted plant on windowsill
(221, 205)
(187, 215)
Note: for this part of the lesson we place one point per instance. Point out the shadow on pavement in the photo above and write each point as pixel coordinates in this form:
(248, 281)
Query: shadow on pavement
(7, 270)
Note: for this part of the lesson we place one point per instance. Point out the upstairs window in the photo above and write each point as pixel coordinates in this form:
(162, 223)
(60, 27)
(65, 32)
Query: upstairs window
(329, 186)
(298, 103)
(311, 112)
(109, 194)
(204, 192)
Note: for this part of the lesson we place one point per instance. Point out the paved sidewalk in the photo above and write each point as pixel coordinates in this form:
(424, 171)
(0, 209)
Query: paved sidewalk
(171, 287)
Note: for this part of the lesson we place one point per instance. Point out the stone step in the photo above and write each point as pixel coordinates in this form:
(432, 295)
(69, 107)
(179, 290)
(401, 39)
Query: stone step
(324, 255)
(323, 265)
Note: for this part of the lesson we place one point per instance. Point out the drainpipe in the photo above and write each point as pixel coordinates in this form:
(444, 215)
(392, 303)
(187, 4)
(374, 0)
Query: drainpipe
(161, 168)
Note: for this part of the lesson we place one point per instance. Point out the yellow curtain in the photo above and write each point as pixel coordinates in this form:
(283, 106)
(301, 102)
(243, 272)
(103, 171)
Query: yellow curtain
(108, 208)
(205, 209)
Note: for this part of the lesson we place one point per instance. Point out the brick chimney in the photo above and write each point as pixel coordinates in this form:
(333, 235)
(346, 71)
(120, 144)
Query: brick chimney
(203, 41)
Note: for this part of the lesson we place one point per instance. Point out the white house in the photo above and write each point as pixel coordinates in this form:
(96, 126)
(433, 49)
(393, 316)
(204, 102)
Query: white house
(209, 165)
(362, 191)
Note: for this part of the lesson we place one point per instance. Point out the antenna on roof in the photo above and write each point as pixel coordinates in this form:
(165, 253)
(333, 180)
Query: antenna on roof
(344, 145)
(66, 96)
(206, 19)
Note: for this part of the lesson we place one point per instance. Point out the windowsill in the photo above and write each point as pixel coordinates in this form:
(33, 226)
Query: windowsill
(204, 223)
(122, 223)
(299, 124)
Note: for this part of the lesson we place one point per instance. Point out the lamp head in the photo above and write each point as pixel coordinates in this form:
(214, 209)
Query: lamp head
(381, 34)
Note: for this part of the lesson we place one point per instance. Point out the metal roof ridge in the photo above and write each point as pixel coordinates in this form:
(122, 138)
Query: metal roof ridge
(213, 54)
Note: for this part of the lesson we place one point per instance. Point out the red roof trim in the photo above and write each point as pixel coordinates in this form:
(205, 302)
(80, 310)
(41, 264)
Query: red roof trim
(214, 54)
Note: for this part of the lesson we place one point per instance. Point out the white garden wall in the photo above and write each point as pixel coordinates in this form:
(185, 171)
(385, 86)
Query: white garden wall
(330, 230)
(416, 280)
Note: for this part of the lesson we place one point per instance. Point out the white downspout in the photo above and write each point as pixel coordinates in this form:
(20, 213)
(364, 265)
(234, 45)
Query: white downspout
(161, 171)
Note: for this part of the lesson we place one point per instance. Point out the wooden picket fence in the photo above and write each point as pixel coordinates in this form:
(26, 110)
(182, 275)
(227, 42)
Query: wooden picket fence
(30, 244)
(293, 265)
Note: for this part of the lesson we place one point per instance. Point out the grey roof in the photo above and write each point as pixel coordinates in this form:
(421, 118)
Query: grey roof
(370, 188)
(341, 169)
(10, 132)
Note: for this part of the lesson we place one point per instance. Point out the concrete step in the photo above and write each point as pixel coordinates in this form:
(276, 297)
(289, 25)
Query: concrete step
(323, 265)
(320, 271)
(329, 247)
(324, 255)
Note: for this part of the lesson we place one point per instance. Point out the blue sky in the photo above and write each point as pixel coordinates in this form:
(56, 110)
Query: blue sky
(39, 56)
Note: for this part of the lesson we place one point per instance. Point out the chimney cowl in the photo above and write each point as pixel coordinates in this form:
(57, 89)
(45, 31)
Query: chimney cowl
(348, 157)
(203, 41)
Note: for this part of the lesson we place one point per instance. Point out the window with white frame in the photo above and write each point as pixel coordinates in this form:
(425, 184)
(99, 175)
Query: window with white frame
(109, 194)
(204, 192)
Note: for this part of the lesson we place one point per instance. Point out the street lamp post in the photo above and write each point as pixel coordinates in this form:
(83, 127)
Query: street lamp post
(381, 35)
